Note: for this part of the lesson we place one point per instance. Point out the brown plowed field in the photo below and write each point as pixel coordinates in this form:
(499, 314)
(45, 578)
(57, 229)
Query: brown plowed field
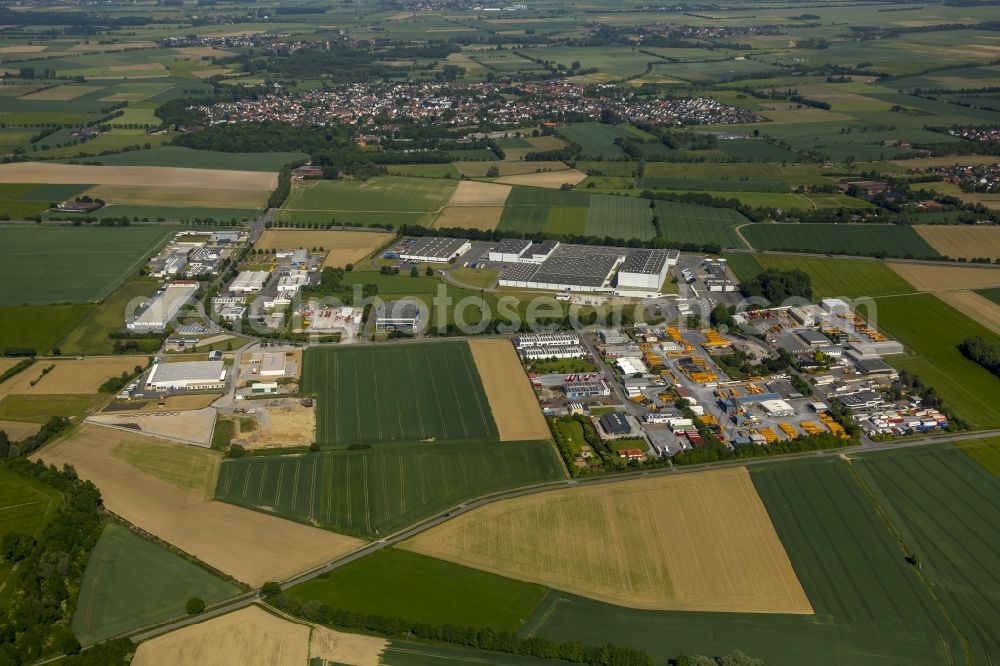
(343, 247)
(512, 401)
(962, 240)
(138, 176)
(694, 542)
(550, 179)
(925, 277)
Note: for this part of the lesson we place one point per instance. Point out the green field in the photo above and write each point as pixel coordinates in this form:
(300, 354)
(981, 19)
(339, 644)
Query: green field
(39, 327)
(403, 393)
(860, 239)
(620, 217)
(846, 278)
(179, 156)
(597, 139)
(131, 583)
(40, 408)
(90, 336)
(406, 653)
(932, 329)
(871, 606)
(171, 213)
(690, 223)
(416, 588)
(40, 265)
(386, 199)
(947, 508)
(26, 506)
(372, 492)
(528, 209)
(423, 170)
(986, 452)
(992, 294)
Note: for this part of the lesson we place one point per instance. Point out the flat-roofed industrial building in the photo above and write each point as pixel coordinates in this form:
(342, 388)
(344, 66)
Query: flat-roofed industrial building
(432, 249)
(643, 272)
(187, 375)
(156, 316)
(249, 282)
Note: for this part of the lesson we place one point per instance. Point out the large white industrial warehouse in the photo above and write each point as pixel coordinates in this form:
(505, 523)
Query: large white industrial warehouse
(166, 303)
(187, 375)
(591, 268)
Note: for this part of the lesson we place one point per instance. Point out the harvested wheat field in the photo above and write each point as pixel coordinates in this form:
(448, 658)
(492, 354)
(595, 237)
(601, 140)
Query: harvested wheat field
(280, 423)
(957, 241)
(550, 179)
(61, 93)
(8, 363)
(473, 193)
(974, 306)
(925, 277)
(512, 400)
(343, 247)
(189, 426)
(717, 552)
(18, 430)
(139, 176)
(72, 376)
(201, 197)
(204, 52)
(242, 638)
(335, 647)
(166, 489)
(483, 218)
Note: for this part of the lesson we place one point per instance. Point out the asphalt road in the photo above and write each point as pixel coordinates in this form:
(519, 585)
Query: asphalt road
(434, 521)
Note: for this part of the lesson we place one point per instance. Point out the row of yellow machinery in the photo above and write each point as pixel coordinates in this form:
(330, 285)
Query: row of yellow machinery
(861, 324)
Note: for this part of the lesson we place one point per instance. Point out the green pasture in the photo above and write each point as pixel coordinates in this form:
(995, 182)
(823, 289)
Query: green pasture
(986, 452)
(831, 278)
(597, 139)
(859, 239)
(40, 265)
(406, 653)
(179, 156)
(386, 199)
(402, 393)
(620, 217)
(871, 607)
(40, 327)
(932, 330)
(40, 408)
(691, 223)
(527, 208)
(947, 510)
(170, 213)
(26, 506)
(992, 294)
(416, 588)
(90, 336)
(371, 492)
(423, 170)
(130, 583)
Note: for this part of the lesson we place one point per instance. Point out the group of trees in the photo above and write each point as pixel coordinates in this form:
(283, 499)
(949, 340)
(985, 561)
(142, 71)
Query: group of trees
(984, 353)
(50, 567)
(31, 443)
(777, 286)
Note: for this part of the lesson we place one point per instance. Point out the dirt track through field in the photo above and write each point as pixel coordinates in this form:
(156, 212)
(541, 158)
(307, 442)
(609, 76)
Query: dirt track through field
(175, 506)
(694, 542)
(343, 247)
(248, 637)
(139, 176)
(962, 240)
(925, 277)
(512, 401)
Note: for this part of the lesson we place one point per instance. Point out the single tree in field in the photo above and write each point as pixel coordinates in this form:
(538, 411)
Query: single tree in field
(195, 605)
